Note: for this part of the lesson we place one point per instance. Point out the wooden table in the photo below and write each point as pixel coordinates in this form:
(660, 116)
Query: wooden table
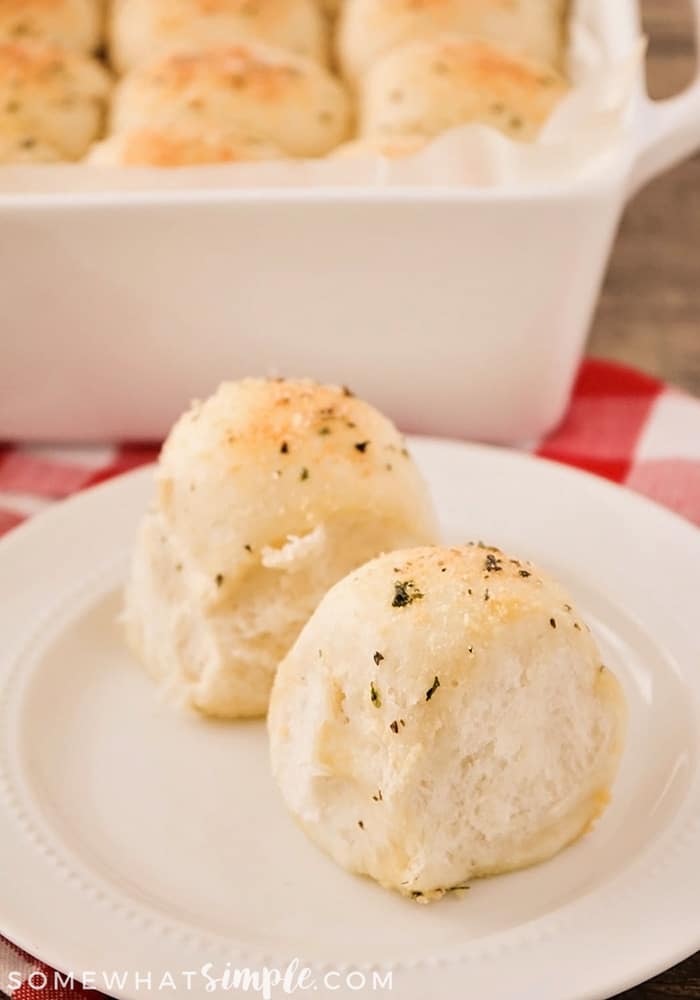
(649, 315)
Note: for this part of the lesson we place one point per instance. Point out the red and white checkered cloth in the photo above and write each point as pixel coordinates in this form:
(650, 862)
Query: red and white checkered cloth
(621, 424)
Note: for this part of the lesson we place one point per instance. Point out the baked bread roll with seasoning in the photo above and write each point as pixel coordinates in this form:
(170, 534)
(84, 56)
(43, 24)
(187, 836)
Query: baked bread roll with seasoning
(54, 97)
(429, 87)
(77, 24)
(152, 148)
(370, 28)
(255, 90)
(141, 29)
(267, 494)
(445, 715)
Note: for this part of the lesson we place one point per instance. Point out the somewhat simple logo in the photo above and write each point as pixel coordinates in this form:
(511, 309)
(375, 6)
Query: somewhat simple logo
(267, 982)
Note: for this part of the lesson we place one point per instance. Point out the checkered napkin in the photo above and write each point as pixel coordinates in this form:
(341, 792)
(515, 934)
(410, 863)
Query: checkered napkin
(621, 424)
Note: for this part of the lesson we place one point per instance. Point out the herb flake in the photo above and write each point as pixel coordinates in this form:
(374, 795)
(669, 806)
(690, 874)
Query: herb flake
(492, 564)
(405, 593)
(432, 689)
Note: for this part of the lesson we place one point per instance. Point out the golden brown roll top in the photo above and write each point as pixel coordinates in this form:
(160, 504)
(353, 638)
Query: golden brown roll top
(428, 87)
(370, 28)
(77, 24)
(142, 29)
(253, 90)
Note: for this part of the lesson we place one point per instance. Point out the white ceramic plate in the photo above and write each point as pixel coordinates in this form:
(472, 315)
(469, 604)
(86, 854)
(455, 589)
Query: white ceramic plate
(135, 837)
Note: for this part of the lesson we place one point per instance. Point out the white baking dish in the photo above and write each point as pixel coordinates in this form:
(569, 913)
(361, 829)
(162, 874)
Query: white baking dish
(458, 311)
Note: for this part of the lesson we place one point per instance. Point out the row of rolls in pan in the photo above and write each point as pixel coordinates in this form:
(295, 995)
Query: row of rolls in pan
(183, 82)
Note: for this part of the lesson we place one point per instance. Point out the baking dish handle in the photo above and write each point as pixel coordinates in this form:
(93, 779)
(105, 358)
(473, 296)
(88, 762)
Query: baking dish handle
(667, 131)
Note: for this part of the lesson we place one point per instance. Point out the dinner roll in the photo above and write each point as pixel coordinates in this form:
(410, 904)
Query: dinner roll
(254, 90)
(152, 148)
(140, 29)
(391, 147)
(444, 715)
(76, 24)
(430, 87)
(267, 494)
(56, 98)
(370, 28)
